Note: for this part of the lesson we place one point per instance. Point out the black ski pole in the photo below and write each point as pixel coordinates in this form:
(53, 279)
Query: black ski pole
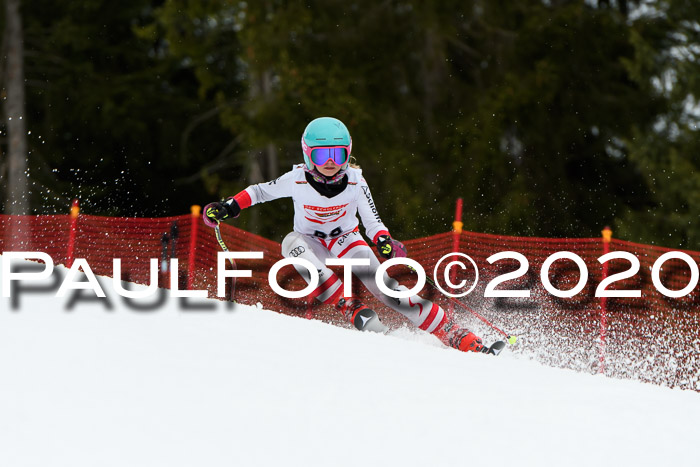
(174, 233)
(511, 339)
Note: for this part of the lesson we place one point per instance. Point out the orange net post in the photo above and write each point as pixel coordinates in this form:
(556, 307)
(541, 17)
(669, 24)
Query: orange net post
(456, 234)
(195, 212)
(607, 236)
(74, 213)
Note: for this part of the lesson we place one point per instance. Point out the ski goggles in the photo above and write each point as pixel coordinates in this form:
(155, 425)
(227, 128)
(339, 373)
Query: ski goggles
(321, 155)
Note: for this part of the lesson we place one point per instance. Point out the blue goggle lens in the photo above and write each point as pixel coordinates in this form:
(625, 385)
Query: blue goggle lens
(320, 156)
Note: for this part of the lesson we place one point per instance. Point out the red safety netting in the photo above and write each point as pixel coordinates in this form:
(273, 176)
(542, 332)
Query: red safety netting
(653, 337)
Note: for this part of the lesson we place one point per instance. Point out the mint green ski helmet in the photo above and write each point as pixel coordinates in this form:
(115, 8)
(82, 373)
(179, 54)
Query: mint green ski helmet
(325, 131)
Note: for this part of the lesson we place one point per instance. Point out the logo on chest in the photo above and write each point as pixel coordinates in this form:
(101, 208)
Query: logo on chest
(324, 214)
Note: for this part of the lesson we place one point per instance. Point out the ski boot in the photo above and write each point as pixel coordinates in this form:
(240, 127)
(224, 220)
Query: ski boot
(462, 339)
(360, 316)
(458, 338)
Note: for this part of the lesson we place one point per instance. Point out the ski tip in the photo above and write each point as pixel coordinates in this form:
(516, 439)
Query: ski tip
(495, 348)
(512, 339)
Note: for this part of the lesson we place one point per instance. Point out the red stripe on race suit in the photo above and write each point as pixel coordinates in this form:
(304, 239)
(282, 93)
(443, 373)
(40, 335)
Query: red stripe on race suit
(314, 220)
(324, 222)
(243, 199)
(431, 317)
(330, 245)
(330, 282)
(334, 298)
(381, 232)
(351, 246)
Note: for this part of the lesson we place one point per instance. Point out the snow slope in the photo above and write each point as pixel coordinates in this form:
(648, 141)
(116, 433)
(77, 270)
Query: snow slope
(85, 385)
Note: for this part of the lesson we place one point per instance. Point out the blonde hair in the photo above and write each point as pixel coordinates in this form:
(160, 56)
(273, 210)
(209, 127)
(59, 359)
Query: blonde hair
(353, 163)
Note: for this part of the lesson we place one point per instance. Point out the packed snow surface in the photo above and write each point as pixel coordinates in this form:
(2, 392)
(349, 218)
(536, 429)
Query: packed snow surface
(96, 382)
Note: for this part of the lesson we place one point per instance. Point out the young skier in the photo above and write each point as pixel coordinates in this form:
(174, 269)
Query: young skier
(328, 193)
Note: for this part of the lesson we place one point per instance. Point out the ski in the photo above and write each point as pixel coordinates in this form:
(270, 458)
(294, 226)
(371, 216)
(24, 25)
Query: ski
(495, 348)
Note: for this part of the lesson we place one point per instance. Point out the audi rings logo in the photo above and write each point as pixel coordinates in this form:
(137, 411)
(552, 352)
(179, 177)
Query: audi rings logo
(297, 251)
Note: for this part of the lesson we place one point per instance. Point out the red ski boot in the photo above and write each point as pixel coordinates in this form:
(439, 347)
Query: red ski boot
(458, 338)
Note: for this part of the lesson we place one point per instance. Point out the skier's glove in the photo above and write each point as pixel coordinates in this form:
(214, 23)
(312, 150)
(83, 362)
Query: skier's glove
(220, 210)
(389, 248)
